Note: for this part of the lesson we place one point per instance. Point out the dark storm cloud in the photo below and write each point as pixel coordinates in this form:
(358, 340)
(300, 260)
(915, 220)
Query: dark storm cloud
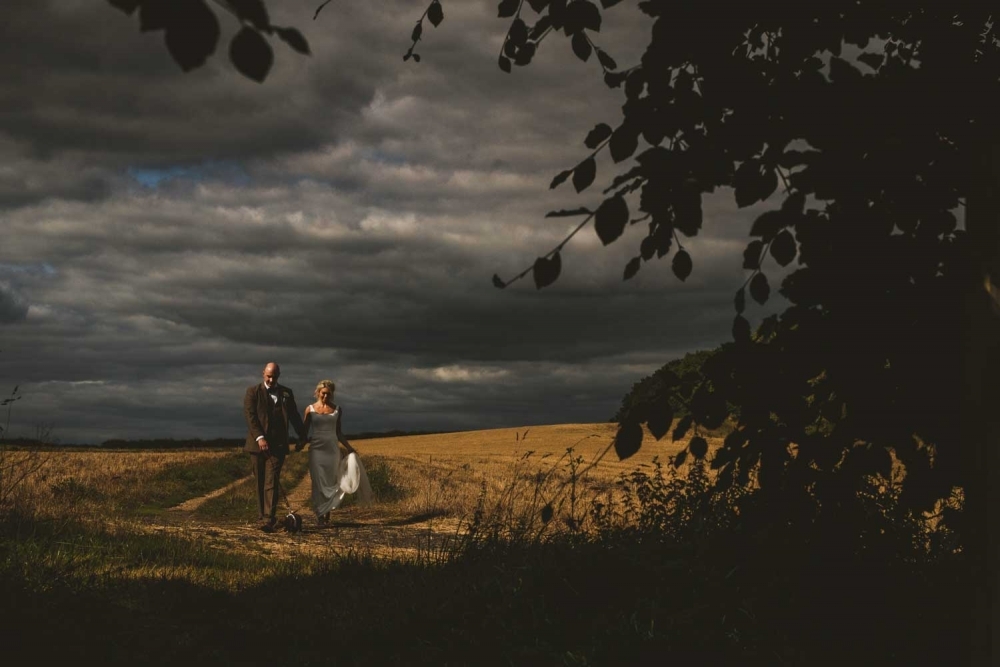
(13, 307)
(172, 232)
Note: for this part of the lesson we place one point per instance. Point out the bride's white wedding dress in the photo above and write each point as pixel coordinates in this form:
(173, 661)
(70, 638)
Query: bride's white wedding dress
(332, 476)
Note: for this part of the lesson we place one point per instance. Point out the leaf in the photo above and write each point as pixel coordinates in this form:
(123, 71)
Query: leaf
(251, 54)
(751, 256)
(680, 458)
(547, 513)
(545, 271)
(505, 66)
(624, 141)
(768, 184)
(498, 282)
(759, 289)
(562, 175)
(632, 267)
(682, 265)
(647, 248)
(741, 329)
(708, 407)
(794, 204)
(635, 83)
(155, 15)
(664, 239)
(417, 31)
(698, 447)
(541, 25)
(566, 213)
(518, 32)
(628, 439)
(538, 5)
(252, 11)
(611, 218)
(746, 183)
(687, 211)
(783, 248)
(600, 132)
(767, 224)
(607, 62)
(435, 14)
(609, 3)
(581, 46)
(584, 173)
(740, 301)
(127, 6)
(192, 34)
(416, 57)
(294, 39)
(580, 15)
(661, 417)
(507, 8)
(525, 53)
(614, 79)
(682, 427)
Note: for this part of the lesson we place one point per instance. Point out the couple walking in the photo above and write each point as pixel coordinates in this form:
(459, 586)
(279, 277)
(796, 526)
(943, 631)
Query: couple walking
(269, 408)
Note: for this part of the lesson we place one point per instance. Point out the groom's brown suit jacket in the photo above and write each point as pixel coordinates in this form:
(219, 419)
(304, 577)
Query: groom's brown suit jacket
(266, 418)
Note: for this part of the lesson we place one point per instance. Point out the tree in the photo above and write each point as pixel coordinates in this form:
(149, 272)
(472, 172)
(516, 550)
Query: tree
(877, 124)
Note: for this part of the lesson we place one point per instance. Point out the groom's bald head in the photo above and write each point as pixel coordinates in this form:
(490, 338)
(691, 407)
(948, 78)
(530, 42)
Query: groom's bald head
(272, 372)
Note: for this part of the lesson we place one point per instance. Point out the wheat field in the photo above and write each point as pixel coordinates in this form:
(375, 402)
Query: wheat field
(440, 480)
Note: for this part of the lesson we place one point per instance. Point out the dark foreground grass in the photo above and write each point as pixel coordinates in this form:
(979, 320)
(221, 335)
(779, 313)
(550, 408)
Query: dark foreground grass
(675, 586)
(622, 599)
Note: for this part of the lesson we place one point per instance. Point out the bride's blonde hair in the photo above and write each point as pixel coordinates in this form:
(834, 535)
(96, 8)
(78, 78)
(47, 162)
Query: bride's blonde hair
(324, 384)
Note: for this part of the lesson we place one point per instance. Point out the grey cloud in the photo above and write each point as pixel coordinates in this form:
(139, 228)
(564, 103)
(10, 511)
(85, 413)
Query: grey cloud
(13, 306)
(343, 218)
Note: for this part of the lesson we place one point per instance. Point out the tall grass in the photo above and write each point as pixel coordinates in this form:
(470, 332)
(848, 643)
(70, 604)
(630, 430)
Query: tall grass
(553, 566)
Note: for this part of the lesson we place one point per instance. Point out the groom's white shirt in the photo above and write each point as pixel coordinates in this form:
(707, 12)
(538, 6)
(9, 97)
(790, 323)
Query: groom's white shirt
(274, 397)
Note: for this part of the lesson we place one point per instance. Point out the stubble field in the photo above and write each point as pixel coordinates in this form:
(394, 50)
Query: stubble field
(427, 489)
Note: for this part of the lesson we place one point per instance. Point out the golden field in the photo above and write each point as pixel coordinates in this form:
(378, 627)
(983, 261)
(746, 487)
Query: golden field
(440, 480)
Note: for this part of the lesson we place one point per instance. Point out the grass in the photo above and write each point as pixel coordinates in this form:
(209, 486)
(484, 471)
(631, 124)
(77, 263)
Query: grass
(122, 483)
(240, 501)
(634, 565)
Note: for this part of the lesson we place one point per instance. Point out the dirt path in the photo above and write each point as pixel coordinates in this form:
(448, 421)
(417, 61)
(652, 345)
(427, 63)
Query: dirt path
(192, 504)
(382, 531)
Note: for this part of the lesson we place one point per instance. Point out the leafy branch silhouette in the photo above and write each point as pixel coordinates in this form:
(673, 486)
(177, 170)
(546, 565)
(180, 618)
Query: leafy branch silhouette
(191, 32)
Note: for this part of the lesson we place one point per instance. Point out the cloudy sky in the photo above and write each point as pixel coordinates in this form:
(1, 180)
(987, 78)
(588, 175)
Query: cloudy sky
(164, 234)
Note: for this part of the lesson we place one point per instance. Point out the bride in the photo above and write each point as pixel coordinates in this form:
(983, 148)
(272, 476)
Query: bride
(332, 476)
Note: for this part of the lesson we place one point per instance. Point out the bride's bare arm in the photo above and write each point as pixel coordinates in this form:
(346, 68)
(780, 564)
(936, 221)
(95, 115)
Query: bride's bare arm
(306, 421)
(340, 435)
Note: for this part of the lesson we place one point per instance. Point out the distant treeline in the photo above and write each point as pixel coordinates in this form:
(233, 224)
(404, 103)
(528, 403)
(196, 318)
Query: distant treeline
(170, 443)
(190, 443)
(229, 443)
(687, 370)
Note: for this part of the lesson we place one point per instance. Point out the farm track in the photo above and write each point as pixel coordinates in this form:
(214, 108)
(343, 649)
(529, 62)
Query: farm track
(441, 477)
(371, 531)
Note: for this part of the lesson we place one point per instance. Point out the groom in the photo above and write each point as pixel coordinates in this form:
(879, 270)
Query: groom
(268, 407)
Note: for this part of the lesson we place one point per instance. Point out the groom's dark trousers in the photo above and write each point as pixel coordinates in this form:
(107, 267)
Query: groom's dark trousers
(267, 473)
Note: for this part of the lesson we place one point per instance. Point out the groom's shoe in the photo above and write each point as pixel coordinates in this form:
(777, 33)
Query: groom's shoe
(268, 526)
